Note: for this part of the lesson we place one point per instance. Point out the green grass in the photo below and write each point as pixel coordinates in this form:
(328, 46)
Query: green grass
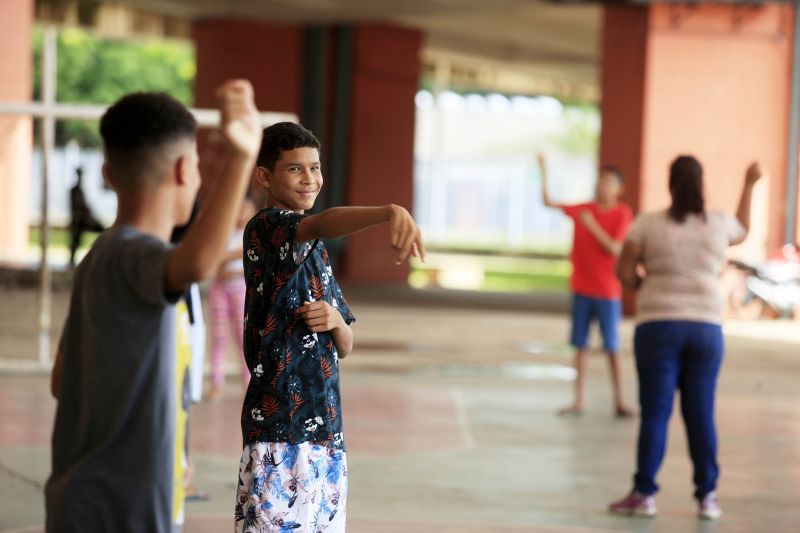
(59, 238)
(501, 273)
(525, 282)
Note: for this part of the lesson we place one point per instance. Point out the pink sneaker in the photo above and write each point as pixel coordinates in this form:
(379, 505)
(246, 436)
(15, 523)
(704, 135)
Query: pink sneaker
(709, 508)
(635, 504)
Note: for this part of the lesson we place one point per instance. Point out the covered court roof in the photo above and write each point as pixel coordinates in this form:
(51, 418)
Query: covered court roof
(521, 46)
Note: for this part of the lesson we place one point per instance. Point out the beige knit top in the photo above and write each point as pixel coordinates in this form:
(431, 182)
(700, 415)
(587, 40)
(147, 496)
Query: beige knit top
(683, 263)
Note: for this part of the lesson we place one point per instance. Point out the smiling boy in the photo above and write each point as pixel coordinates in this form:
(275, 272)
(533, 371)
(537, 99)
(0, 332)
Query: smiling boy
(293, 471)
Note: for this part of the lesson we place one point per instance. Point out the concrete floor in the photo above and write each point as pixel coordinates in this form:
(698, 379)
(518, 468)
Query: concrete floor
(451, 426)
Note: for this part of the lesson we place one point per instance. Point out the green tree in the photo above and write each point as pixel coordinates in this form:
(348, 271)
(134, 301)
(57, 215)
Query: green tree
(94, 70)
(580, 130)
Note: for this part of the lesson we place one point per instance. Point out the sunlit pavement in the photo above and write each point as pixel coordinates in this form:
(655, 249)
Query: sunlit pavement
(450, 424)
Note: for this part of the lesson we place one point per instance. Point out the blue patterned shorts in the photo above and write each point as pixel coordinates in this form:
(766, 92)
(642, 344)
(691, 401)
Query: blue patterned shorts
(299, 488)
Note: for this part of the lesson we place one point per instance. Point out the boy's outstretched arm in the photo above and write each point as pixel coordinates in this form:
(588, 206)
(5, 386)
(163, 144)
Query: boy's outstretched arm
(543, 171)
(338, 222)
(200, 252)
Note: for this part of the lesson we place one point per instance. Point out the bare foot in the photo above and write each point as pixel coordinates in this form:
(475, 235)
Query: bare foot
(214, 393)
(193, 493)
(623, 412)
(572, 410)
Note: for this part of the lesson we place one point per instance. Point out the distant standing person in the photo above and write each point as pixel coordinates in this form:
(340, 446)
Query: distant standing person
(600, 228)
(673, 258)
(82, 219)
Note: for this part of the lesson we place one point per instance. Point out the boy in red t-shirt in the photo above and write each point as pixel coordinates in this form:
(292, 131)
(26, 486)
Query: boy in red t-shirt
(600, 228)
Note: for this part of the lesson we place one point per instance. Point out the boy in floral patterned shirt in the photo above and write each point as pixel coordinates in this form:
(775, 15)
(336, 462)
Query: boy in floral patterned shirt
(293, 472)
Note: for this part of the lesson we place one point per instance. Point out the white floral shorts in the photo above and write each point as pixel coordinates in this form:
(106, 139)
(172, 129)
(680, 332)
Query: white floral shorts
(293, 488)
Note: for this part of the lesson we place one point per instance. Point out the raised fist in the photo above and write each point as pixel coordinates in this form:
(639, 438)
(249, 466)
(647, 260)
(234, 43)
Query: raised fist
(240, 124)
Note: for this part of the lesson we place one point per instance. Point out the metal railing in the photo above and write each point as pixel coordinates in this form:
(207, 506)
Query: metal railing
(49, 111)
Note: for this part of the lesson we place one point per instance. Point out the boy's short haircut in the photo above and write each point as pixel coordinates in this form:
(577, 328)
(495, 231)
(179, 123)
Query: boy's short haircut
(613, 170)
(135, 129)
(282, 137)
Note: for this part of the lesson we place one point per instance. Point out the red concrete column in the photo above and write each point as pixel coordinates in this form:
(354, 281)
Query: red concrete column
(380, 157)
(381, 160)
(622, 89)
(268, 55)
(708, 80)
(16, 77)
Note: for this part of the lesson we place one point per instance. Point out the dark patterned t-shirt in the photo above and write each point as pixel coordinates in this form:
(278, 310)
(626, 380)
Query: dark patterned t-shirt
(293, 394)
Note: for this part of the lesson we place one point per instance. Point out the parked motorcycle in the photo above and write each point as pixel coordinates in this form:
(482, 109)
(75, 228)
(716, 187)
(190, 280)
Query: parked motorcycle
(767, 289)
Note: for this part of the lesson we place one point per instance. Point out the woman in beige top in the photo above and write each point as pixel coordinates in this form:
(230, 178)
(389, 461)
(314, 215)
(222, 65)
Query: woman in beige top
(673, 259)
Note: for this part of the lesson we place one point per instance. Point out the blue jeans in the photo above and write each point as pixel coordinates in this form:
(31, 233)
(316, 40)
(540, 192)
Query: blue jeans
(685, 356)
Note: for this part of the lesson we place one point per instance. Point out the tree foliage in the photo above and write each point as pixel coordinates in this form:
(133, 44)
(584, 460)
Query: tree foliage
(94, 70)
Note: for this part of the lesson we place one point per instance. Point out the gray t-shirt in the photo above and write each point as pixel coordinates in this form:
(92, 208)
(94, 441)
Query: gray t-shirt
(114, 429)
(683, 263)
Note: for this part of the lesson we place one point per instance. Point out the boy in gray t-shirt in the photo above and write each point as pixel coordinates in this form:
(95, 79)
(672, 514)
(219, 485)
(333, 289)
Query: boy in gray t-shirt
(113, 440)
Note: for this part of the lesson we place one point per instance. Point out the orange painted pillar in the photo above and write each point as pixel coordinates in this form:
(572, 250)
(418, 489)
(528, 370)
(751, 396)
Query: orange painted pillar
(16, 79)
(381, 156)
(712, 81)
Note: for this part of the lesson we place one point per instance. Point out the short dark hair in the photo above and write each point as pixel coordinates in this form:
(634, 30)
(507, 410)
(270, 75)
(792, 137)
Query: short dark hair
(137, 125)
(686, 188)
(613, 170)
(281, 137)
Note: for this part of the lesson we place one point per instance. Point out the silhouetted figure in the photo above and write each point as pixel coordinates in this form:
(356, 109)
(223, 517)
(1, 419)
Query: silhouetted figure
(82, 217)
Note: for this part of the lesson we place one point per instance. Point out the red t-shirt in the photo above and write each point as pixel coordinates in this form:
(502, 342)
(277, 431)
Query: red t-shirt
(593, 268)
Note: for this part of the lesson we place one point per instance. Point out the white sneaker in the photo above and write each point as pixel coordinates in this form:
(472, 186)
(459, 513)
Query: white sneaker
(709, 508)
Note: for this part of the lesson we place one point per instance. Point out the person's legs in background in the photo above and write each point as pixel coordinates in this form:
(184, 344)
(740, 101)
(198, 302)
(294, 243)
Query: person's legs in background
(698, 384)
(658, 347)
(236, 290)
(220, 337)
(75, 234)
(579, 338)
(609, 313)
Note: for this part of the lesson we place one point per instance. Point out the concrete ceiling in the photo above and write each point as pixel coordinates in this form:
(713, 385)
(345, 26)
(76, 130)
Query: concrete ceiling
(511, 45)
